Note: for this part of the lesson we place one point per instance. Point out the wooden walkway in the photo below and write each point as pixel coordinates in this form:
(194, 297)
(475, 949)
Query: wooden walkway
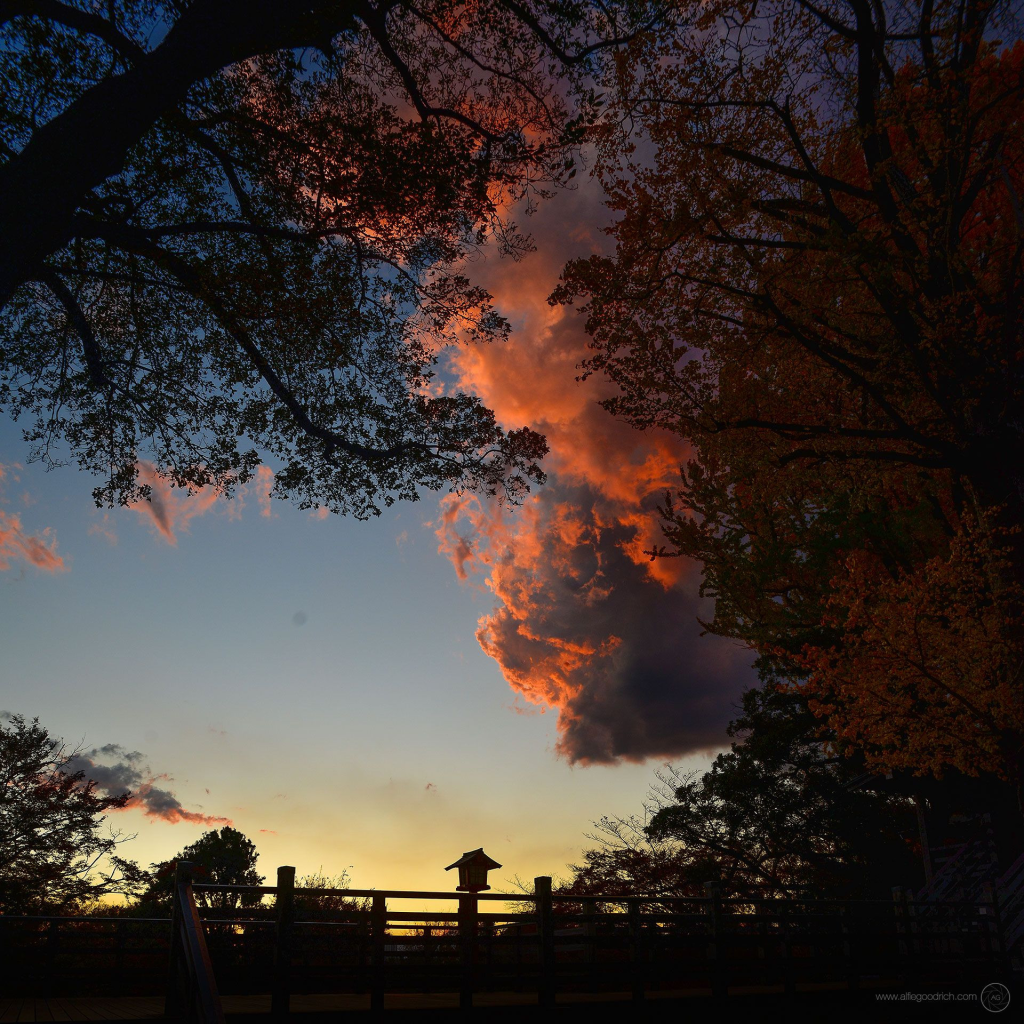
(141, 1008)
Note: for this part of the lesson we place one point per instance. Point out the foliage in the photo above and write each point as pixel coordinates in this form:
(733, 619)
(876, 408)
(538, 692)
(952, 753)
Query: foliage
(54, 856)
(234, 225)
(817, 282)
(630, 861)
(780, 813)
(318, 901)
(219, 857)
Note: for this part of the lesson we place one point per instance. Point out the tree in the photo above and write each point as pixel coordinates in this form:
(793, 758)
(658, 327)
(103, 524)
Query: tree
(54, 856)
(782, 811)
(238, 224)
(219, 857)
(817, 282)
(318, 899)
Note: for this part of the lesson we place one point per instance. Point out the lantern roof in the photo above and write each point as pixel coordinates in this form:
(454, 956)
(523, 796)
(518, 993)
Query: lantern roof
(475, 857)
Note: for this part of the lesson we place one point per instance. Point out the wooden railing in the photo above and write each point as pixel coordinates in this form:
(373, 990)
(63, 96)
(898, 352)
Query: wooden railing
(275, 939)
(191, 986)
(549, 944)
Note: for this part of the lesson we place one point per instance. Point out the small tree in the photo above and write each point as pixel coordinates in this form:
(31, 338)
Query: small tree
(219, 857)
(321, 901)
(53, 855)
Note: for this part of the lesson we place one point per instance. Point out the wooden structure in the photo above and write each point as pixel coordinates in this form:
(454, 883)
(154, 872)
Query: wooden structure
(539, 945)
(473, 868)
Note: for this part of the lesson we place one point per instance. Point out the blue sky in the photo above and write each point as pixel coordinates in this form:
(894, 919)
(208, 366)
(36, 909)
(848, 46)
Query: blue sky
(318, 677)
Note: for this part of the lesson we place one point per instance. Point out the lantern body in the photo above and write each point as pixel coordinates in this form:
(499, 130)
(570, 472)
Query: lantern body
(473, 868)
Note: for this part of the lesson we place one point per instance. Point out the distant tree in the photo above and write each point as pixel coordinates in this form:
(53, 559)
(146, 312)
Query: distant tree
(317, 902)
(54, 855)
(627, 861)
(238, 223)
(221, 857)
(784, 810)
(781, 812)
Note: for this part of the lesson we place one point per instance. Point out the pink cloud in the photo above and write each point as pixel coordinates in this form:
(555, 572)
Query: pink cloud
(104, 529)
(264, 485)
(16, 545)
(170, 509)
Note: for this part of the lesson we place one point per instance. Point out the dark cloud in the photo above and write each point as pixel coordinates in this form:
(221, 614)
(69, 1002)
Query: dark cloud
(584, 628)
(116, 770)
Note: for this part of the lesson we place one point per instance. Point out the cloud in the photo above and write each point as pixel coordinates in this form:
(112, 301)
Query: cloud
(104, 529)
(127, 772)
(37, 549)
(264, 485)
(170, 509)
(584, 622)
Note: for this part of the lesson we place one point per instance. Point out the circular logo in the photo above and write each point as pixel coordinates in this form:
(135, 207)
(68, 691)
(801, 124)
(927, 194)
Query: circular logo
(995, 997)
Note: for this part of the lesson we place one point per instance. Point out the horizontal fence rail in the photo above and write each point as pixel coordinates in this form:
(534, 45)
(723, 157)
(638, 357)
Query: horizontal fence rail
(284, 940)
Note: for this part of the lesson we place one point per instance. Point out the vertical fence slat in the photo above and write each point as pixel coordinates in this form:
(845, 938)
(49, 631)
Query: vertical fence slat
(713, 908)
(284, 914)
(467, 948)
(379, 927)
(174, 1004)
(636, 951)
(546, 935)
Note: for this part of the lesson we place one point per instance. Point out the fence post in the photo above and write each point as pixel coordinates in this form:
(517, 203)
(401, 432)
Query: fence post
(379, 925)
(590, 937)
(786, 928)
(52, 945)
(467, 942)
(997, 948)
(849, 952)
(174, 1005)
(899, 898)
(280, 1000)
(546, 933)
(713, 890)
(636, 952)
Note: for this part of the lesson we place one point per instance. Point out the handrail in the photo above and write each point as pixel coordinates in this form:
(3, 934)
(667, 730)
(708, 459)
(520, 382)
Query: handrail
(202, 1001)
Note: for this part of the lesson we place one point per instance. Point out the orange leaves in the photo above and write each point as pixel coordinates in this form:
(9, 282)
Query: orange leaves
(928, 672)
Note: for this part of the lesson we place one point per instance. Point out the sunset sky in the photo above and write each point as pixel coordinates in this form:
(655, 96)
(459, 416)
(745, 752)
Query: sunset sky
(380, 696)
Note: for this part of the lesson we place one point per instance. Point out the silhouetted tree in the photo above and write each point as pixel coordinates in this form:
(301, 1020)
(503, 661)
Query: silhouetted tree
(54, 856)
(317, 902)
(219, 857)
(237, 224)
(781, 812)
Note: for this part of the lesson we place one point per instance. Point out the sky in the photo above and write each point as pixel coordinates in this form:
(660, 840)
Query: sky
(380, 697)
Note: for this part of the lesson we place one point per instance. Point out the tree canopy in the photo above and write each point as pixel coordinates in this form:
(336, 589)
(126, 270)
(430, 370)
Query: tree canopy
(817, 282)
(232, 230)
(780, 813)
(219, 857)
(54, 854)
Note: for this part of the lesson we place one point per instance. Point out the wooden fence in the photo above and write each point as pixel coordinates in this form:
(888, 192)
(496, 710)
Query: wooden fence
(499, 942)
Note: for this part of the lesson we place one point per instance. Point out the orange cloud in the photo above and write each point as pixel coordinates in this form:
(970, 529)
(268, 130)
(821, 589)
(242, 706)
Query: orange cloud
(584, 622)
(38, 549)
